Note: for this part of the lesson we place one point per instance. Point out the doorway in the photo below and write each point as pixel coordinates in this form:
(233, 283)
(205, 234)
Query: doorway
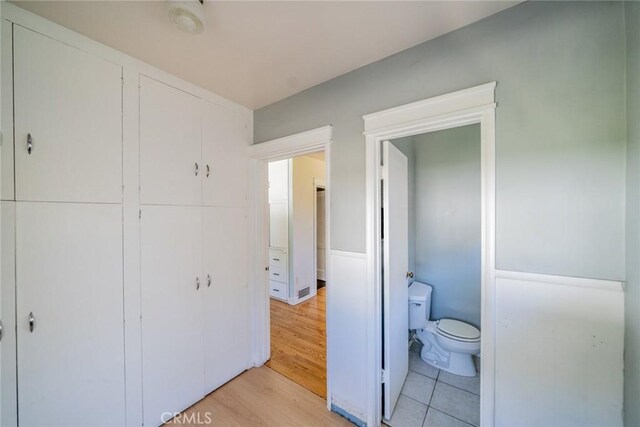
(432, 240)
(290, 333)
(387, 353)
(298, 296)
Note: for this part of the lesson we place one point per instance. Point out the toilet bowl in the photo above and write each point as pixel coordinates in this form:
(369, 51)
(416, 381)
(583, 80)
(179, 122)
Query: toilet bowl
(447, 344)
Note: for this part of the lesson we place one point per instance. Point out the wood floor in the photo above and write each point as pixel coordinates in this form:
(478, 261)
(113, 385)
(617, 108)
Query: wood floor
(260, 397)
(299, 342)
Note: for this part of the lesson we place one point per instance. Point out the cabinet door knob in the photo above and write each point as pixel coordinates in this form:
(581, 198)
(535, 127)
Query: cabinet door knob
(1, 330)
(208, 171)
(197, 283)
(29, 143)
(208, 280)
(197, 169)
(32, 322)
(409, 275)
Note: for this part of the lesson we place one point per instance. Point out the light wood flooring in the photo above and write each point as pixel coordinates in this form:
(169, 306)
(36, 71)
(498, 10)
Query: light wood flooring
(299, 342)
(260, 397)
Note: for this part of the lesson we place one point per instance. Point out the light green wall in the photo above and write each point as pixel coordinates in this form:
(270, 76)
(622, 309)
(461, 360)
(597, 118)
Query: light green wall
(632, 297)
(560, 129)
(447, 221)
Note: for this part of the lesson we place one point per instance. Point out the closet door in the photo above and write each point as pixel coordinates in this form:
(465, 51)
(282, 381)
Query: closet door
(70, 314)
(170, 145)
(172, 287)
(68, 122)
(224, 157)
(226, 308)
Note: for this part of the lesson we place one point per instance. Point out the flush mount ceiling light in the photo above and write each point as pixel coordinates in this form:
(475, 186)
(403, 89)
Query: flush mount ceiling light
(187, 15)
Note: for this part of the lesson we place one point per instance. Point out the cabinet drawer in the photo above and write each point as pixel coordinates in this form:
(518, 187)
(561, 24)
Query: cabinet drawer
(278, 290)
(277, 258)
(278, 274)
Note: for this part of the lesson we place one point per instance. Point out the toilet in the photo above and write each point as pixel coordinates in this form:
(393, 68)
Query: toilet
(447, 344)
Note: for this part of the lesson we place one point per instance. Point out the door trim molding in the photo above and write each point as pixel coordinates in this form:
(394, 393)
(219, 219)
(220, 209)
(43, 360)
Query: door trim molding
(474, 105)
(261, 154)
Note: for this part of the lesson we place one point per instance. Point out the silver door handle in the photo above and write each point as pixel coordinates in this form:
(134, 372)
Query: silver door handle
(29, 143)
(1, 330)
(197, 283)
(197, 168)
(208, 171)
(409, 275)
(32, 322)
(208, 280)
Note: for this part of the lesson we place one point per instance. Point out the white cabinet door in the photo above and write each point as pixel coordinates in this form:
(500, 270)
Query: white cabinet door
(172, 354)
(279, 225)
(224, 157)
(226, 304)
(69, 279)
(170, 145)
(279, 181)
(70, 104)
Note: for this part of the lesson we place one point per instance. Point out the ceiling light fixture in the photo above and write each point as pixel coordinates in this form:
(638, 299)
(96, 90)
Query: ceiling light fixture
(187, 15)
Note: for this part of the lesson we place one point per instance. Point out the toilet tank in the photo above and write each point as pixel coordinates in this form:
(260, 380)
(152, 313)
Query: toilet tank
(419, 305)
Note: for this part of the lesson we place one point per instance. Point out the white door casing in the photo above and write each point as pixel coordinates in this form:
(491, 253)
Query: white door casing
(171, 167)
(396, 264)
(461, 108)
(171, 288)
(68, 104)
(69, 270)
(261, 154)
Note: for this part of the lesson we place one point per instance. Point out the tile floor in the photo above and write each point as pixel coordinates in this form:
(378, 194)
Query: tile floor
(434, 398)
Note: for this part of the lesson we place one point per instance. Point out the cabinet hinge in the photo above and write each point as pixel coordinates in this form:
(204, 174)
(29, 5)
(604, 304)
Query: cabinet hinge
(122, 81)
(383, 172)
(139, 213)
(383, 376)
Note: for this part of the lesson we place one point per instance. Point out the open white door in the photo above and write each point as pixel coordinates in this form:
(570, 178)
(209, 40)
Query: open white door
(395, 266)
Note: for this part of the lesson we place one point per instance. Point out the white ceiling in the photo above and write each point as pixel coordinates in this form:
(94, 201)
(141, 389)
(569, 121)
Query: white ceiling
(256, 53)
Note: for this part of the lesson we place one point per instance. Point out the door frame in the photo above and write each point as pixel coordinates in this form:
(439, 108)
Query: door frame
(318, 183)
(475, 105)
(260, 155)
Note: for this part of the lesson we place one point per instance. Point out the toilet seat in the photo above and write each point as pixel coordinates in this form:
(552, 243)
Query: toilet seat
(457, 330)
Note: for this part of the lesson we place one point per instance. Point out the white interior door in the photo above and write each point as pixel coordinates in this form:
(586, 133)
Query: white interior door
(70, 104)
(396, 263)
(170, 145)
(226, 304)
(224, 157)
(69, 272)
(172, 287)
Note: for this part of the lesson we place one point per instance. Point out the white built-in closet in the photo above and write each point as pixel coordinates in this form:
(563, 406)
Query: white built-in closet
(116, 309)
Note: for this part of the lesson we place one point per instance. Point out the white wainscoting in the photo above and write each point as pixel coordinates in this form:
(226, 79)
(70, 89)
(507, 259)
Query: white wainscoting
(346, 332)
(559, 351)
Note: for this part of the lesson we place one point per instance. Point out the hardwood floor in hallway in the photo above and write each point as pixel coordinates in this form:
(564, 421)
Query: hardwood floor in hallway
(299, 342)
(260, 397)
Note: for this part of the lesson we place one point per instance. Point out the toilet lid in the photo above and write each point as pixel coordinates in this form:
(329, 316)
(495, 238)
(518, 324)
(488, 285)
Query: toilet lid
(458, 330)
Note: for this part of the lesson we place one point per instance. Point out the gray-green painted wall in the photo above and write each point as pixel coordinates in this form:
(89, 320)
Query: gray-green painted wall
(447, 221)
(560, 129)
(632, 296)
